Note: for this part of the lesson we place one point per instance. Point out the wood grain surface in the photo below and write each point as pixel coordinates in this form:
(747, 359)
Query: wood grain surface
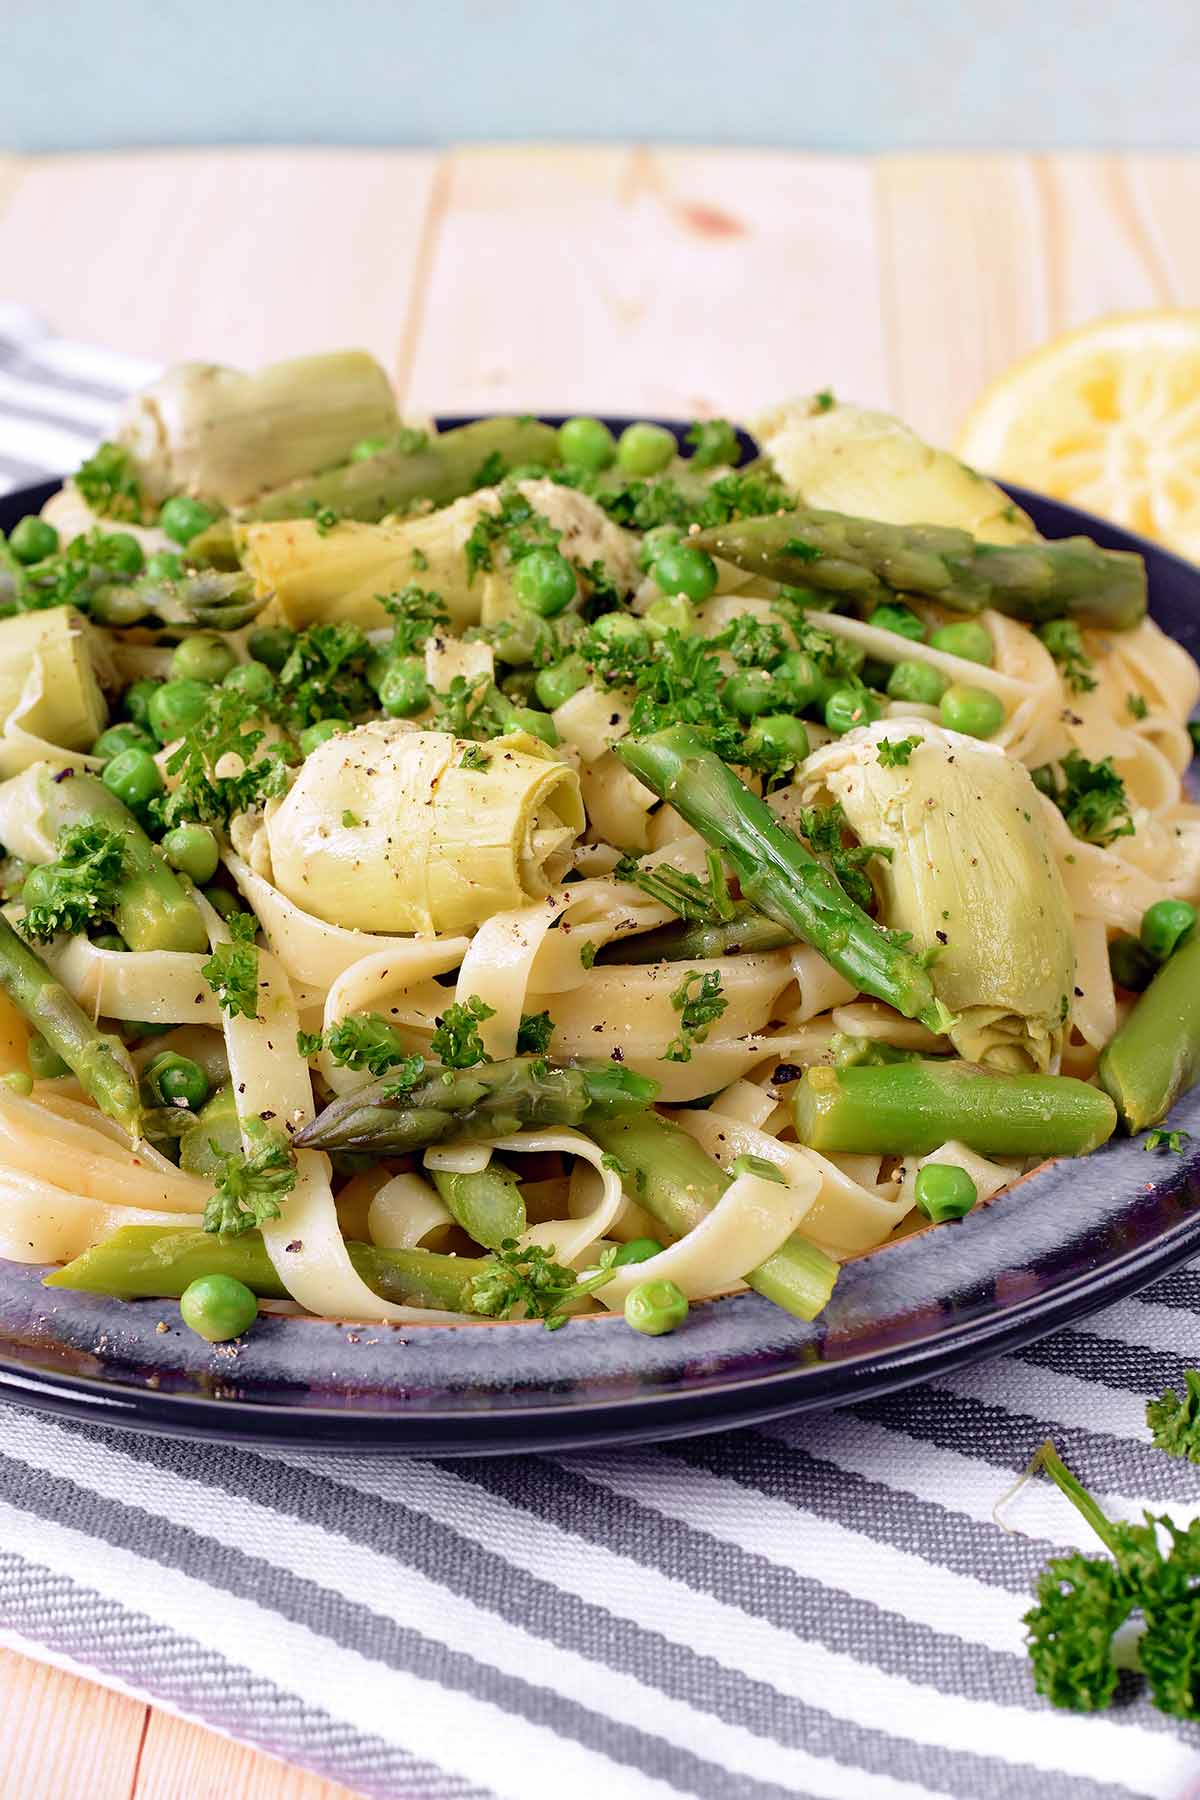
(671, 281)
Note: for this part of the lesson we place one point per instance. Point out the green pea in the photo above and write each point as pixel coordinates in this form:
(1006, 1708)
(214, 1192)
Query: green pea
(917, 682)
(637, 1250)
(32, 538)
(110, 940)
(224, 903)
(18, 1081)
(404, 689)
(118, 607)
(587, 442)
(544, 583)
(122, 553)
(801, 676)
(271, 644)
(217, 1307)
(137, 697)
(537, 724)
(622, 628)
(683, 569)
(175, 706)
(654, 543)
(133, 777)
(644, 449)
(164, 565)
(655, 1307)
(966, 638)
(848, 707)
(205, 656)
(126, 736)
(172, 1078)
(779, 737)
(45, 1064)
(900, 619)
(183, 518)
(253, 680)
(194, 851)
(1129, 964)
(313, 736)
(38, 886)
(944, 1191)
(674, 612)
(555, 685)
(974, 711)
(752, 691)
(1165, 926)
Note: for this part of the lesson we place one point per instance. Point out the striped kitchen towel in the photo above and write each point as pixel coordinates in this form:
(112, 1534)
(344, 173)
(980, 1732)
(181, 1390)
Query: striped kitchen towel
(814, 1608)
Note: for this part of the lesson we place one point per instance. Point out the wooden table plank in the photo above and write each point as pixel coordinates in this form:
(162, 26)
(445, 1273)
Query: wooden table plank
(676, 282)
(181, 1761)
(54, 1725)
(241, 255)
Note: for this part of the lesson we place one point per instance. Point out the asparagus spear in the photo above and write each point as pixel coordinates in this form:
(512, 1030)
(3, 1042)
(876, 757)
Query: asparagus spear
(99, 1060)
(869, 561)
(158, 1262)
(449, 465)
(698, 941)
(674, 1179)
(909, 1108)
(1155, 1056)
(490, 1101)
(487, 1204)
(154, 910)
(778, 875)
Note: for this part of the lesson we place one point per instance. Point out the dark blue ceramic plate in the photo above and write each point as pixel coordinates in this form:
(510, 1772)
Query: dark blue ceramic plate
(1072, 1237)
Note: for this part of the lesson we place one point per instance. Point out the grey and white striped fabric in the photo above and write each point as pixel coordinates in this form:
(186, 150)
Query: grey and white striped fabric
(818, 1608)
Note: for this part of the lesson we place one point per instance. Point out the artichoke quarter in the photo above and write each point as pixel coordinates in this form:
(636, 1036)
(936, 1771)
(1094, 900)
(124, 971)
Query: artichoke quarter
(972, 876)
(392, 829)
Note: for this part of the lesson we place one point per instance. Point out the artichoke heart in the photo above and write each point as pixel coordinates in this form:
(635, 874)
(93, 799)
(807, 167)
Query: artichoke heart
(972, 876)
(850, 460)
(209, 430)
(393, 829)
(320, 573)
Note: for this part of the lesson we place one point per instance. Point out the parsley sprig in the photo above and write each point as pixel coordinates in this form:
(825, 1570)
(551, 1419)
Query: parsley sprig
(222, 737)
(1090, 795)
(699, 1002)
(529, 1278)
(80, 887)
(456, 1041)
(825, 827)
(250, 1186)
(232, 969)
(108, 481)
(1064, 640)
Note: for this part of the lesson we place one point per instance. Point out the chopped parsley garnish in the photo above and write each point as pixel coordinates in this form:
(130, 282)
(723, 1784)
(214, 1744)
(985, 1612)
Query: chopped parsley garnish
(587, 954)
(456, 1042)
(475, 757)
(713, 441)
(403, 1078)
(802, 551)
(80, 887)
(1090, 795)
(350, 820)
(704, 902)
(109, 483)
(366, 1041)
(324, 518)
(490, 471)
(1064, 640)
(1170, 1141)
(309, 1043)
(220, 738)
(824, 827)
(1136, 705)
(641, 505)
(824, 401)
(516, 526)
(894, 753)
(529, 1278)
(699, 1002)
(753, 643)
(416, 613)
(250, 1186)
(1174, 1419)
(324, 675)
(232, 969)
(534, 1034)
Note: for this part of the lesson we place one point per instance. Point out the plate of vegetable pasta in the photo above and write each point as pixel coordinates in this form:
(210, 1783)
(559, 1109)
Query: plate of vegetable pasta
(527, 930)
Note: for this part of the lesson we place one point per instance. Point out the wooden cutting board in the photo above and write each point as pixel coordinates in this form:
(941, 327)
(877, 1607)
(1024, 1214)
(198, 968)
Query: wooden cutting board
(616, 278)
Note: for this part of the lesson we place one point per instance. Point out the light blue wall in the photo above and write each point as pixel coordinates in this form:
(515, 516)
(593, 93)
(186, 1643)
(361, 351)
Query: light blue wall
(844, 75)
